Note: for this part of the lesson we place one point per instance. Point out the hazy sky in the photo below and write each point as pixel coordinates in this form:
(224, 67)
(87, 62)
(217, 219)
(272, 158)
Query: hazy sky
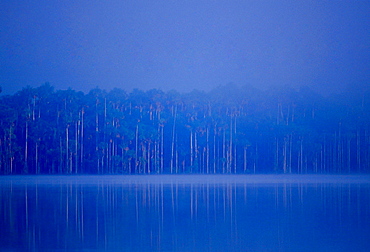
(183, 44)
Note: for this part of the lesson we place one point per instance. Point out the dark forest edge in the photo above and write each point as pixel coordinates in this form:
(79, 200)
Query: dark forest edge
(230, 129)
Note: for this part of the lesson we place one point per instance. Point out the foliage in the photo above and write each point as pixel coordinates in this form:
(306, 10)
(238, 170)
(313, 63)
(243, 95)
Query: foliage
(230, 129)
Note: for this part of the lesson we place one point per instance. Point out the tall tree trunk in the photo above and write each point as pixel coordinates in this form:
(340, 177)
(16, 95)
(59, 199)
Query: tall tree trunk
(191, 150)
(37, 168)
(285, 156)
(149, 158)
(136, 148)
(61, 157)
(26, 149)
(235, 149)
(230, 154)
(97, 135)
(67, 150)
(156, 147)
(173, 140)
(162, 149)
(11, 149)
(255, 160)
(207, 150)
(224, 157)
(245, 159)
(196, 151)
(358, 151)
(349, 154)
(301, 156)
(290, 151)
(82, 139)
(277, 153)
(77, 124)
(214, 149)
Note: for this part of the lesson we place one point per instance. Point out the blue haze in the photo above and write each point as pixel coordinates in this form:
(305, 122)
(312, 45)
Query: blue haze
(184, 45)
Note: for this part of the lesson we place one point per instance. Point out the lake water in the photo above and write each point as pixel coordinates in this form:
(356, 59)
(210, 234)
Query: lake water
(185, 213)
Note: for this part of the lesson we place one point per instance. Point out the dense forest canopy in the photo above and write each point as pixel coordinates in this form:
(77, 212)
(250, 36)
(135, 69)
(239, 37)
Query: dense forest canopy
(230, 129)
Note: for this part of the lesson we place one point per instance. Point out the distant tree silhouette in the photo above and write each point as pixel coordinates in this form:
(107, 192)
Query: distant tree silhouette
(230, 129)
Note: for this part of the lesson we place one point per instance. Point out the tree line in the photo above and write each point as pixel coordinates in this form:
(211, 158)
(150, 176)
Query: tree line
(229, 129)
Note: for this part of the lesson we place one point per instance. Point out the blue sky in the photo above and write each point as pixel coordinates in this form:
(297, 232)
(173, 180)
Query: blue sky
(184, 45)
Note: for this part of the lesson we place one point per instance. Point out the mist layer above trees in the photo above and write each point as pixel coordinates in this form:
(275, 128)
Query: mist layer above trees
(227, 130)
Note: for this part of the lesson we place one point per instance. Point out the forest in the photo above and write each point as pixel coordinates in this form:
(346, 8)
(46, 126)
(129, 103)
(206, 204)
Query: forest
(230, 129)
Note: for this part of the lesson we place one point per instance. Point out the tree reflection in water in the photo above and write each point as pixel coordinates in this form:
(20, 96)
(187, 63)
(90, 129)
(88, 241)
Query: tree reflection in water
(185, 213)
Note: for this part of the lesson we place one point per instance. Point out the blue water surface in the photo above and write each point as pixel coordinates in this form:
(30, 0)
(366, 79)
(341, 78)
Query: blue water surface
(185, 213)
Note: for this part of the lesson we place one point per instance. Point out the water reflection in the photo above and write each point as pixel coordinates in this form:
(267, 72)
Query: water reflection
(184, 216)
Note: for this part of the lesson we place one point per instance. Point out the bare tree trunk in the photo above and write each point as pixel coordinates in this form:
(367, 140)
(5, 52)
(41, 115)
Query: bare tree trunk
(245, 159)
(173, 140)
(349, 155)
(358, 151)
(284, 156)
(301, 156)
(97, 134)
(277, 153)
(60, 167)
(224, 151)
(162, 149)
(191, 150)
(82, 139)
(196, 149)
(149, 157)
(230, 155)
(207, 150)
(37, 157)
(77, 133)
(214, 149)
(67, 150)
(255, 160)
(11, 149)
(235, 149)
(136, 148)
(33, 108)
(290, 150)
(26, 149)
(156, 147)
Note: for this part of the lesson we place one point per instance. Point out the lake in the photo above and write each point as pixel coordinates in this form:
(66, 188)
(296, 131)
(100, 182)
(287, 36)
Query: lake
(185, 213)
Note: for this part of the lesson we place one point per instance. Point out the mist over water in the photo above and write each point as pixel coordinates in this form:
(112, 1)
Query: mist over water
(185, 213)
(136, 88)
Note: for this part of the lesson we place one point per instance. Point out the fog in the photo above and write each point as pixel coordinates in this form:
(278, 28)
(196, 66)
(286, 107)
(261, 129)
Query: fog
(136, 180)
(184, 45)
